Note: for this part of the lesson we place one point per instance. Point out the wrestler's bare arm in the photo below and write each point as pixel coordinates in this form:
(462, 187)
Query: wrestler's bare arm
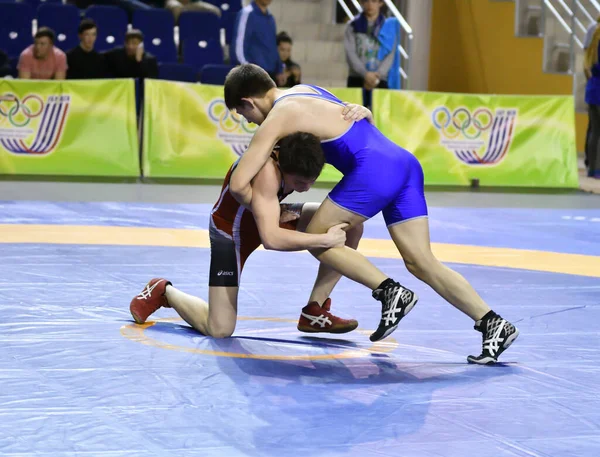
(266, 210)
(280, 122)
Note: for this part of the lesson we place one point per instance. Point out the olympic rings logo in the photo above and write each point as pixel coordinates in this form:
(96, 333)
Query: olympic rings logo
(462, 121)
(20, 112)
(228, 121)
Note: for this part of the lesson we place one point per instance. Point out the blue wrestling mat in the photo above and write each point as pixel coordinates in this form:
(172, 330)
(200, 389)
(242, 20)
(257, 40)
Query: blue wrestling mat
(78, 377)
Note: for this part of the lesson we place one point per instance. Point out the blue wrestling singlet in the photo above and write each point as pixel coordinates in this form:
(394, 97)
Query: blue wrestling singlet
(378, 174)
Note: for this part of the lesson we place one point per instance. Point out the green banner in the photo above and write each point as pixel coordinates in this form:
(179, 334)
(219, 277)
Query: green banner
(79, 128)
(190, 133)
(521, 141)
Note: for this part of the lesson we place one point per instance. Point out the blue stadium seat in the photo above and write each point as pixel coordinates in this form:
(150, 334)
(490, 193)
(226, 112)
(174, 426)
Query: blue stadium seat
(176, 72)
(112, 24)
(15, 28)
(64, 20)
(197, 26)
(227, 5)
(200, 53)
(35, 3)
(157, 26)
(214, 74)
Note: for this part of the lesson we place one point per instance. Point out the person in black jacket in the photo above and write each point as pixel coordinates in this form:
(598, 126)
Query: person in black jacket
(84, 62)
(131, 61)
(291, 69)
(5, 69)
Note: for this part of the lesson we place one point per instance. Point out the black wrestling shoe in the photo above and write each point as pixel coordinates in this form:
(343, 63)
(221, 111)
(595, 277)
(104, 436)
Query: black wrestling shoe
(396, 302)
(498, 335)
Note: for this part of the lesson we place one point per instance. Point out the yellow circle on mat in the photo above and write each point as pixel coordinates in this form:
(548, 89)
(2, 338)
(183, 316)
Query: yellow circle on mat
(525, 259)
(136, 332)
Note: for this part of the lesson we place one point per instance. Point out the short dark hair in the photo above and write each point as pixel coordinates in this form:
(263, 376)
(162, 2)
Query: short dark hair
(86, 24)
(45, 32)
(283, 37)
(134, 34)
(244, 81)
(300, 154)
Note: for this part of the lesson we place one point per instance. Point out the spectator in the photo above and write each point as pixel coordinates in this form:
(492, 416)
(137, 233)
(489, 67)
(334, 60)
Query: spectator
(586, 44)
(5, 69)
(362, 49)
(176, 7)
(590, 33)
(389, 39)
(592, 98)
(291, 69)
(84, 62)
(131, 61)
(255, 40)
(42, 60)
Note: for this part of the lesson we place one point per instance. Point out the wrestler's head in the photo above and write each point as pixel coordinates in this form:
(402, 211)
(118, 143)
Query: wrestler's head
(246, 91)
(301, 160)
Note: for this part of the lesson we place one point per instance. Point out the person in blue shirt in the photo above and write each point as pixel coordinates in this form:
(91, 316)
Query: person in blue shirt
(255, 40)
(592, 98)
(589, 34)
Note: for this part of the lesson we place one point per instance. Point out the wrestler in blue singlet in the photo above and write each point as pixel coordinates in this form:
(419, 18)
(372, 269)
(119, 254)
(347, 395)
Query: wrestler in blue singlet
(378, 174)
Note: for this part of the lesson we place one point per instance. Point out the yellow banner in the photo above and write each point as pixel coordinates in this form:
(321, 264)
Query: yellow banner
(190, 133)
(81, 128)
(498, 140)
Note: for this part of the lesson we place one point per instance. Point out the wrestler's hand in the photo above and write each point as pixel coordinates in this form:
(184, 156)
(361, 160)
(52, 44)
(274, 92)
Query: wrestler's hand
(336, 236)
(288, 216)
(353, 112)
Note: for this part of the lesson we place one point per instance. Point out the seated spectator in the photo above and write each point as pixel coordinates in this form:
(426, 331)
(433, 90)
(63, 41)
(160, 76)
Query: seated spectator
(362, 50)
(290, 68)
(42, 60)
(4, 64)
(176, 7)
(131, 61)
(254, 40)
(84, 62)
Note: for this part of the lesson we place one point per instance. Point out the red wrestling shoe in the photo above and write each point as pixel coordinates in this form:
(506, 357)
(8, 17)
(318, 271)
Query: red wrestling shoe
(149, 300)
(317, 319)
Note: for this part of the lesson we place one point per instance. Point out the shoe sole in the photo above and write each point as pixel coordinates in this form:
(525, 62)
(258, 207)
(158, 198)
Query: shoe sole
(407, 310)
(136, 318)
(339, 330)
(492, 360)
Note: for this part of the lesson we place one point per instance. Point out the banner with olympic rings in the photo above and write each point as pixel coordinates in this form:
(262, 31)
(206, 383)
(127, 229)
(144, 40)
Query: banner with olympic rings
(499, 140)
(190, 133)
(78, 128)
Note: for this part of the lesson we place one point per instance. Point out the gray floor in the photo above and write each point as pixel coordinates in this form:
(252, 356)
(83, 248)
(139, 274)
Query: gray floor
(194, 193)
